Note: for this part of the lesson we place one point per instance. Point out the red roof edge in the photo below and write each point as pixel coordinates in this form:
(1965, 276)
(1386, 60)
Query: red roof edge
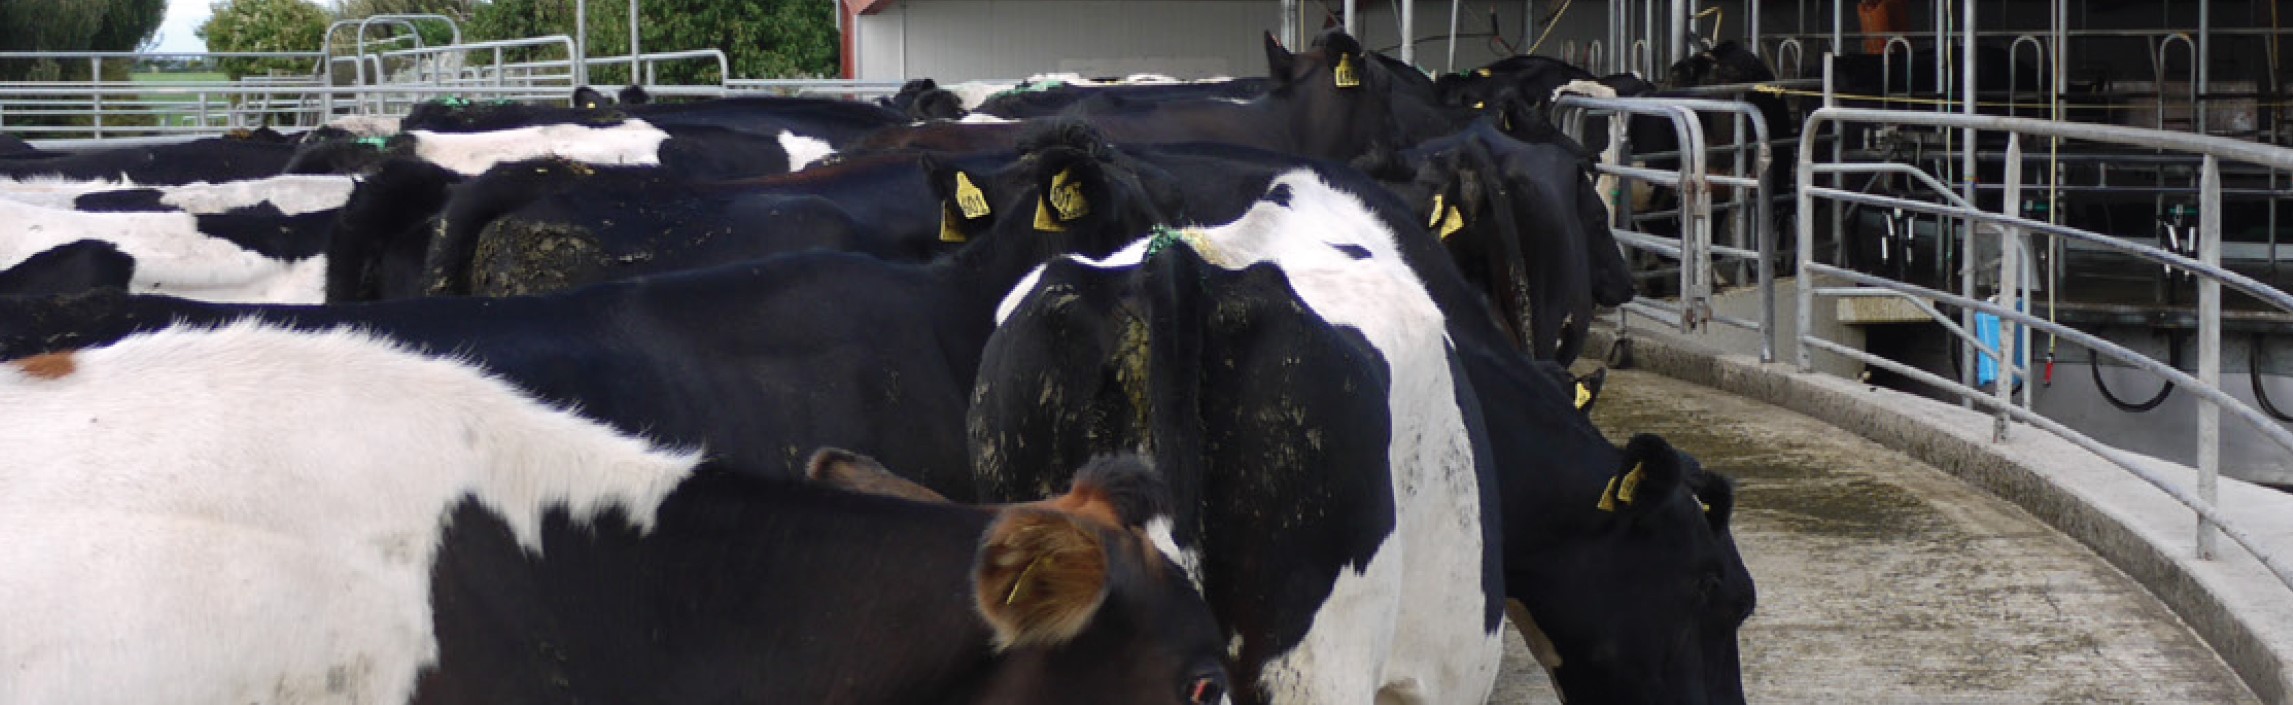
(868, 7)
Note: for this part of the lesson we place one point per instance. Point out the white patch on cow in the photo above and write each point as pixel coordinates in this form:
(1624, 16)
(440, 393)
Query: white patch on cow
(1158, 533)
(171, 255)
(292, 194)
(56, 191)
(1410, 626)
(1149, 79)
(1130, 256)
(367, 125)
(972, 93)
(239, 515)
(632, 142)
(803, 150)
(982, 119)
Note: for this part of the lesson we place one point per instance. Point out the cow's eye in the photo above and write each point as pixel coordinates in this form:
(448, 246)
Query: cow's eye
(1207, 689)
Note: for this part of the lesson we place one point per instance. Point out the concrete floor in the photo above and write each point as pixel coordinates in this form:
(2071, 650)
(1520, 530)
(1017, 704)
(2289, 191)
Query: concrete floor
(1882, 580)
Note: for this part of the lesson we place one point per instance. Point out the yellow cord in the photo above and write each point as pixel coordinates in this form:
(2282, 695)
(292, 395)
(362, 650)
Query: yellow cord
(1549, 25)
(1716, 20)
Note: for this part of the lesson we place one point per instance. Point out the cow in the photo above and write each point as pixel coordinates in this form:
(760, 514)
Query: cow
(216, 159)
(1052, 98)
(790, 352)
(1295, 384)
(1329, 102)
(529, 227)
(12, 146)
(1639, 601)
(69, 268)
(1529, 216)
(249, 254)
(272, 533)
(922, 99)
(701, 151)
(381, 238)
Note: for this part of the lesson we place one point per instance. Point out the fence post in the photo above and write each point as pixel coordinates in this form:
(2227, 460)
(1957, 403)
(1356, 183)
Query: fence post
(96, 74)
(2208, 348)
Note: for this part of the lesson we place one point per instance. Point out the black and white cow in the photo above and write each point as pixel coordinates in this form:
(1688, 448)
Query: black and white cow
(70, 268)
(217, 159)
(250, 254)
(529, 227)
(702, 151)
(1525, 224)
(759, 361)
(1331, 102)
(1639, 600)
(1052, 98)
(1334, 484)
(277, 532)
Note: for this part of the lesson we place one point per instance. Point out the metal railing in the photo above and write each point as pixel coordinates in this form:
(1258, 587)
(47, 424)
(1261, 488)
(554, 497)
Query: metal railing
(32, 108)
(1748, 205)
(2013, 286)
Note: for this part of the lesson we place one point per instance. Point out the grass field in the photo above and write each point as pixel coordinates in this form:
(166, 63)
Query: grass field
(162, 79)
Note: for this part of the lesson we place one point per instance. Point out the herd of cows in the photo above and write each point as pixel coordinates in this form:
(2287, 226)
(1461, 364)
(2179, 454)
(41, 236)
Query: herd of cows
(1247, 391)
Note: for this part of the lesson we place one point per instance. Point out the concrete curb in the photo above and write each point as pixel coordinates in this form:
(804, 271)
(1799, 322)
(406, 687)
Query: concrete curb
(2233, 602)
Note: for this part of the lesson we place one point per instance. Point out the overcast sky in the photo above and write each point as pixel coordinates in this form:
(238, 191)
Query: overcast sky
(183, 16)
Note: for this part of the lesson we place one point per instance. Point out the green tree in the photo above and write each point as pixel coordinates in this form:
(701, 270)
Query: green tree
(760, 38)
(434, 33)
(73, 25)
(265, 25)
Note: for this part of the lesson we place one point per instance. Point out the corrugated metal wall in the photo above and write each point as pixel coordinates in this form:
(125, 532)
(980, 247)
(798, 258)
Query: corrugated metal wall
(956, 40)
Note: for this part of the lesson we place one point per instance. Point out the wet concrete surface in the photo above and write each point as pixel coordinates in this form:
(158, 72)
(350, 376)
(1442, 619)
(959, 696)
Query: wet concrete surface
(1883, 580)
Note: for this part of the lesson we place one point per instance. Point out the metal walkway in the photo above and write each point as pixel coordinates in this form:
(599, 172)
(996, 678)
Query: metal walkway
(1884, 580)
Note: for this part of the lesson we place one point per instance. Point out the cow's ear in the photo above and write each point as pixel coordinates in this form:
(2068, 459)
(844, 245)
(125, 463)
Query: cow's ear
(1652, 470)
(1120, 490)
(1071, 185)
(1586, 389)
(588, 98)
(964, 208)
(853, 472)
(1040, 576)
(1279, 61)
(635, 95)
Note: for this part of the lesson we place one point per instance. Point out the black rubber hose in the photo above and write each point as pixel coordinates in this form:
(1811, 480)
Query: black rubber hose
(2173, 354)
(2261, 393)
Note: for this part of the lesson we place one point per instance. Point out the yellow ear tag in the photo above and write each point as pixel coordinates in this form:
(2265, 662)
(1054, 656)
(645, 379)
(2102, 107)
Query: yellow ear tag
(1583, 395)
(1480, 104)
(1484, 73)
(949, 231)
(1043, 220)
(1067, 196)
(968, 197)
(1346, 76)
(1631, 484)
(1608, 497)
(1452, 222)
(1435, 220)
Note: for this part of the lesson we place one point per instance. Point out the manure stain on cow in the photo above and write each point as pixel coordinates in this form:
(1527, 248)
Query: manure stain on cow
(55, 365)
(517, 258)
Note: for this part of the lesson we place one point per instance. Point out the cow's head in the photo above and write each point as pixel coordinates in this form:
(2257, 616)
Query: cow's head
(341, 152)
(1081, 605)
(1636, 596)
(1340, 98)
(1085, 608)
(1728, 63)
(1069, 191)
